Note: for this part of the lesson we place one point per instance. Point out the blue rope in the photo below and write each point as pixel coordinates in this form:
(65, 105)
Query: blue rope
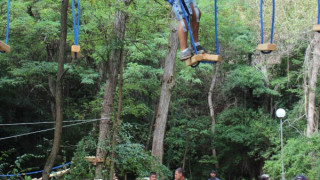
(8, 21)
(216, 26)
(273, 16)
(34, 172)
(261, 20)
(318, 13)
(76, 26)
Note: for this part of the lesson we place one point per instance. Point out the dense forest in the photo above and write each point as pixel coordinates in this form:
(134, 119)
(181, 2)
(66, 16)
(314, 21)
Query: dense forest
(129, 101)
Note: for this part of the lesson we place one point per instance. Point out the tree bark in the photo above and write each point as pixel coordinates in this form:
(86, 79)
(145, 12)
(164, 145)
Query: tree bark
(58, 94)
(211, 107)
(111, 83)
(310, 88)
(165, 96)
(117, 122)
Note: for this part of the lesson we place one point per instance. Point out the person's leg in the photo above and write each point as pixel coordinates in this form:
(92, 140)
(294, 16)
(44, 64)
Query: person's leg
(185, 52)
(195, 22)
(182, 37)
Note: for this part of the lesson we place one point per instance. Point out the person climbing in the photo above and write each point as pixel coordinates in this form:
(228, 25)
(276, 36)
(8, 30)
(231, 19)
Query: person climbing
(192, 10)
(213, 175)
(179, 174)
(153, 176)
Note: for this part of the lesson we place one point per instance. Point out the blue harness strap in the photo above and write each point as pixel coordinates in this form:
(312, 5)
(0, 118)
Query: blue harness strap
(76, 24)
(8, 23)
(272, 24)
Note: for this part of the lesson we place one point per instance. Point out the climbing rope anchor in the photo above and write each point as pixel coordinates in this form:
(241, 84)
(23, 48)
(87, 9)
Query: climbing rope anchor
(75, 49)
(267, 47)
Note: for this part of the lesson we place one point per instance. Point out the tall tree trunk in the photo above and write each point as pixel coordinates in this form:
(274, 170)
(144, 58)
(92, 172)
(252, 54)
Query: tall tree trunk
(58, 94)
(111, 83)
(211, 107)
(117, 122)
(310, 88)
(151, 126)
(165, 96)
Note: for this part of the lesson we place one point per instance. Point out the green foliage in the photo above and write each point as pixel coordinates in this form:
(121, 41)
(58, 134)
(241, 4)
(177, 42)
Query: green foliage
(244, 97)
(244, 136)
(246, 77)
(301, 156)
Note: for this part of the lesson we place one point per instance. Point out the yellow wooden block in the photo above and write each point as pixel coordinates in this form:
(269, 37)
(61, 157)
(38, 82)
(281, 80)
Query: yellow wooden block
(203, 57)
(267, 47)
(94, 160)
(4, 47)
(75, 50)
(316, 28)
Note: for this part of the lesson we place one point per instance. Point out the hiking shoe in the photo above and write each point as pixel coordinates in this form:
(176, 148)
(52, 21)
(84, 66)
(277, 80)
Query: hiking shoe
(201, 50)
(185, 55)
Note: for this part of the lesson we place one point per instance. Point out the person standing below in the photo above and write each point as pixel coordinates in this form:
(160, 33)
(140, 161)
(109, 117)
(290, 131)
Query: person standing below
(153, 176)
(213, 175)
(192, 10)
(179, 174)
(264, 177)
(300, 177)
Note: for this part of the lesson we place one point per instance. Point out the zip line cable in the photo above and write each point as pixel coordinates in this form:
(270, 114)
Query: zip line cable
(52, 122)
(44, 130)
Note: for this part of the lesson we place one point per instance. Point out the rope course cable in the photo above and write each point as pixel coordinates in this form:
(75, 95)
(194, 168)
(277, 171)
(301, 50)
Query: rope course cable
(51, 122)
(34, 172)
(272, 24)
(8, 24)
(76, 24)
(50, 129)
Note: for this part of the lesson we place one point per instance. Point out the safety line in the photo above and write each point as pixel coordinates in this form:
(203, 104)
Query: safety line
(34, 172)
(51, 122)
(35, 132)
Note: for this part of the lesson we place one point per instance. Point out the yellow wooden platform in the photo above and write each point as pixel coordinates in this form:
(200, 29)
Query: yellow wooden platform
(316, 28)
(4, 47)
(267, 47)
(75, 50)
(203, 57)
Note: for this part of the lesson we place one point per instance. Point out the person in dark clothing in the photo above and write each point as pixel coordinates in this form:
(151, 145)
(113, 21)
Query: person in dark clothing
(213, 175)
(300, 177)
